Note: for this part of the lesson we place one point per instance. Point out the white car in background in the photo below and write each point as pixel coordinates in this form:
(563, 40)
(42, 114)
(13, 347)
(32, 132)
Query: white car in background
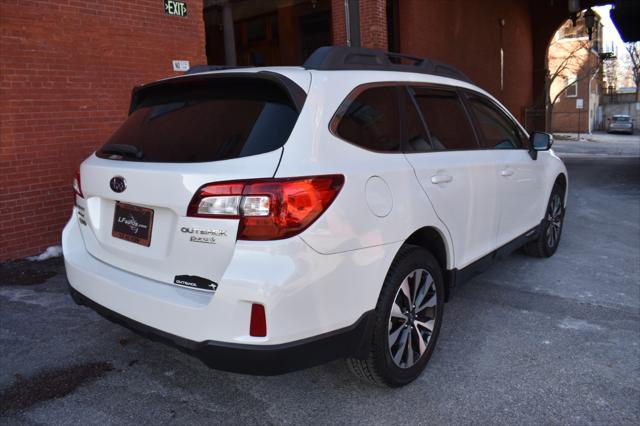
(620, 123)
(270, 219)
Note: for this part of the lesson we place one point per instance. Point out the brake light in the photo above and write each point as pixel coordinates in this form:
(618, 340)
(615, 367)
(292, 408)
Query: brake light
(77, 187)
(268, 209)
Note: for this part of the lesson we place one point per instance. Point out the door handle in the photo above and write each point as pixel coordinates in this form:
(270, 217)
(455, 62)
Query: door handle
(440, 179)
(506, 172)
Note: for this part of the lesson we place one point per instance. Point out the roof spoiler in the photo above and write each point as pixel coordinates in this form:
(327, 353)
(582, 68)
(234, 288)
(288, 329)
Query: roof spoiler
(296, 94)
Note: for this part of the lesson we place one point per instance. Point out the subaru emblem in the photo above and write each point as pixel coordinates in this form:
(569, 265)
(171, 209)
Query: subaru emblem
(118, 184)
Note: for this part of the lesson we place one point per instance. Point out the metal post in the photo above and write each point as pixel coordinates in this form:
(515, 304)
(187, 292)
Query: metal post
(579, 109)
(229, 36)
(352, 22)
(347, 23)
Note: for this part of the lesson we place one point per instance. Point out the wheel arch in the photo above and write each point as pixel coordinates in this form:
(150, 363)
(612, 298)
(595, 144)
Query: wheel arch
(434, 240)
(561, 181)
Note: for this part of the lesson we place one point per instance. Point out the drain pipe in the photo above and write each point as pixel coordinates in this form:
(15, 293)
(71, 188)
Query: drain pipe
(347, 22)
(595, 73)
(352, 22)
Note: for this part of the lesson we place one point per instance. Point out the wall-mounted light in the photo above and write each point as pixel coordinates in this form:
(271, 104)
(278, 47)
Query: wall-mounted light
(574, 8)
(590, 21)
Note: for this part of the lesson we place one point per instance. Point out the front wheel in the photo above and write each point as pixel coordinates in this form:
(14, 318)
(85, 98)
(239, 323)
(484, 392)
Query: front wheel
(407, 320)
(551, 228)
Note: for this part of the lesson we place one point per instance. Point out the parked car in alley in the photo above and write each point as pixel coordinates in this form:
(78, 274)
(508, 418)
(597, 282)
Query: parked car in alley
(620, 123)
(270, 219)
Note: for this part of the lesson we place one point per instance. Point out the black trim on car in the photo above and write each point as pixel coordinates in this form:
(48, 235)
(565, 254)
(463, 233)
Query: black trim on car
(459, 276)
(263, 360)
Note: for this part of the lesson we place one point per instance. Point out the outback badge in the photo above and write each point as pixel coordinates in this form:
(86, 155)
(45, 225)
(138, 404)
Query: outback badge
(195, 281)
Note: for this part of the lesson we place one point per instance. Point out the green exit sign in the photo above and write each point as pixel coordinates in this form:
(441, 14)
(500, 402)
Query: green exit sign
(175, 8)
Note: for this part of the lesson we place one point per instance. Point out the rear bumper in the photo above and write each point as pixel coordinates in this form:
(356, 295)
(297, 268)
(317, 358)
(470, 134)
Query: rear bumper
(265, 360)
(314, 303)
(620, 130)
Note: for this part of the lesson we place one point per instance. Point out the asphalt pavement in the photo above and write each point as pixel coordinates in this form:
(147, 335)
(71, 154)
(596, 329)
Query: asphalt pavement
(530, 341)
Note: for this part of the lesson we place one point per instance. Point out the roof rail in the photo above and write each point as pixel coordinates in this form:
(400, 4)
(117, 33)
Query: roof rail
(358, 58)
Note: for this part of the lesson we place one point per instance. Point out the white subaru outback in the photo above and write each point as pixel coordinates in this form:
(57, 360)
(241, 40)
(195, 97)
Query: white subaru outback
(271, 219)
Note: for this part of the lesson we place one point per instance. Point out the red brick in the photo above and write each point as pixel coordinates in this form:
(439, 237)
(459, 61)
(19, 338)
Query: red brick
(68, 68)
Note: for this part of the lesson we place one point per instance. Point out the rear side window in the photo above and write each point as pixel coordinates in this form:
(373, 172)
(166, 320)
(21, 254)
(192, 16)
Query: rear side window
(416, 136)
(446, 119)
(497, 129)
(371, 120)
(207, 120)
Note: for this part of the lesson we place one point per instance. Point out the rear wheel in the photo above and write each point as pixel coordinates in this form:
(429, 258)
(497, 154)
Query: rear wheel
(407, 320)
(551, 230)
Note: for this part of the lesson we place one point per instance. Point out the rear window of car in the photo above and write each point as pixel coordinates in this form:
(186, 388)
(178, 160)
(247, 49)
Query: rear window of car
(621, 118)
(372, 120)
(207, 120)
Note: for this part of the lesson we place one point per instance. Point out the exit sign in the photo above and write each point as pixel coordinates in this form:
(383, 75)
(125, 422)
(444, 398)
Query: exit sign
(175, 8)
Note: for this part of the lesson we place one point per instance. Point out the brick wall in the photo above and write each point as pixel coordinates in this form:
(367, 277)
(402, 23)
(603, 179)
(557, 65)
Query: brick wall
(338, 29)
(66, 73)
(468, 35)
(373, 23)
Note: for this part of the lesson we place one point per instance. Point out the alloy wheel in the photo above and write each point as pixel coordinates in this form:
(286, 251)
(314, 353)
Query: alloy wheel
(554, 221)
(412, 318)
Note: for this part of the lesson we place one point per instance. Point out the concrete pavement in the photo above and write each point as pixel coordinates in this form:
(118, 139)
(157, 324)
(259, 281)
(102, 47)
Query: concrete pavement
(530, 341)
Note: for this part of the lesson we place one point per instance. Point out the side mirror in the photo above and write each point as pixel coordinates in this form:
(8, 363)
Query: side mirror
(539, 141)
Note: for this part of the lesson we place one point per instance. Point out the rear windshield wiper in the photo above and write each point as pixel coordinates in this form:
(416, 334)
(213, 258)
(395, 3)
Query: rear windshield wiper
(123, 149)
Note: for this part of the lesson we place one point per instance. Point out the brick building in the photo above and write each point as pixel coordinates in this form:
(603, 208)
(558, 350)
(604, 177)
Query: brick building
(574, 61)
(67, 68)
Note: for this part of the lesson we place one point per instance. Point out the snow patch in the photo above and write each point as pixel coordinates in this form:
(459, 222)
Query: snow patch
(574, 324)
(30, 297)
(50, 252)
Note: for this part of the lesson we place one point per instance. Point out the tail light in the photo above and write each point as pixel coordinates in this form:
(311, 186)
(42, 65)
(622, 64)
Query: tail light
(269, 209)
(77, 187)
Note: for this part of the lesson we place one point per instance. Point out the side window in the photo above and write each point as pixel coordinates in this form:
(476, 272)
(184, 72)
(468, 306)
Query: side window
(372, 120)
(497, 129)
(446, 119)
(415, 133)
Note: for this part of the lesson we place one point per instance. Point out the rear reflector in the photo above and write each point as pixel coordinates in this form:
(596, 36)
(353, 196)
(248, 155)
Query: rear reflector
(258, 326)
(268, 209)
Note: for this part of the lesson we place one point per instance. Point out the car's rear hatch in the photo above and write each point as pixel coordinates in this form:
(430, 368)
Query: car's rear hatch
(180, 135)
(621, 122)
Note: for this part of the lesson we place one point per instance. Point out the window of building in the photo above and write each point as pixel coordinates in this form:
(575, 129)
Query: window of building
(571, 84)
(372, 120)
(497, 129)
(446, 119)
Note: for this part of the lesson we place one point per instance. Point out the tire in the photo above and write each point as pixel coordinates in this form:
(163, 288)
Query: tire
(546, 244)
(408, 325)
